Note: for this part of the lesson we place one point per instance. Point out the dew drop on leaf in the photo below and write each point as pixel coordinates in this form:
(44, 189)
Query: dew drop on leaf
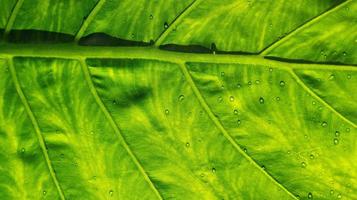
(270, 69)
(231, 98)
(166, 25)
(335, 141)
(348, 130)
(151, 17)
(349, 76)
(44, 192)
(324, 124)
(238, 122)
(282, 83)
(257, 82)
(303, 164)
(309, 195)
(111, 192)
(235, 111)
(220, 99)
(187, 144)
(261, 100)
(339, 196)
(313, 102)
(213, 170)
(239, 85)
(277, 98)
(167, 111)
(337, 133)
(23, 150)
(249, 82)
(344, 53)
(245, 150)
(222, 74)
(331, 192)
(312, 156)
(181, 97)
(332, 76)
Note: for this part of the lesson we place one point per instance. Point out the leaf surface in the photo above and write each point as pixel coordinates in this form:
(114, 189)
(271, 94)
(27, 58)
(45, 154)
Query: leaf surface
(213, 100)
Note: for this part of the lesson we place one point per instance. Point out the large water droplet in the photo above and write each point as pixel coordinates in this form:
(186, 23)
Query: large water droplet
(261, 100)
(181, 97)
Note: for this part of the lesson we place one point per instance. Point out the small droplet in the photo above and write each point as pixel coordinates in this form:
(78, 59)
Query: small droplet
(313, 102)
(348, 130)
(222, 74)
(324, 124)
(181, 97)
(337, 133)
(344, 53)
(238, 122)
(235, 111)
(111, 192)
(231, 98)
(23, 150)
(261, 100)
(167, 111)
(151, 17)
(213, 170)
(339, 196)
(92, 132)
(303, 164)
(44, 192)
(282, 83)
(245, 150)
(222, 87)
(335, 141)
(257, 82)
(309, 195)
(288, 152)
(220, 99)
(202, 174)
(331, 77)
(187, 144)
(331, 192)
(263, 167)
(114, 102)
(239, 85)
(249, 82)
(277, 98)
(322, 52)
(270, 69)
(166, 25)
(349, 76)
(312, 156)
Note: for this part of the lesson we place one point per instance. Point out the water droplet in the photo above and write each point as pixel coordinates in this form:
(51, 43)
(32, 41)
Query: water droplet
(288, 152)
(332, 76)
(187, 144)
(277, 98)
(220, 99)
(303, 164)
(167, 111)
(324, 124)
(337, 133)
(114, 102)
(222, 87)
(331, 192)
(181, 97)
(62, 155)
(235, 111)
(238, 122)
(222, 74)
(231, 98)
(111, 192)
(349, 76)
(309, 195)
(23, 150)
(239, 85)
(257, 82)
(263, 167)
(282, 83)
(335, 141)
(313, 102)
(202, 174)
(245, 150)
(339, 196)
(166, 25)
(92, 132)
(151, 17)
(44, 192)
(270, 69)
(249, 82)
(344, 53)
(213, 170)
(312, 156)
(348, 130)
(261, 100)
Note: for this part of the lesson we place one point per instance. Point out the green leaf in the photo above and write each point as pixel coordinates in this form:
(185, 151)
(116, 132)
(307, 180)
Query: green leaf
(226, 99)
